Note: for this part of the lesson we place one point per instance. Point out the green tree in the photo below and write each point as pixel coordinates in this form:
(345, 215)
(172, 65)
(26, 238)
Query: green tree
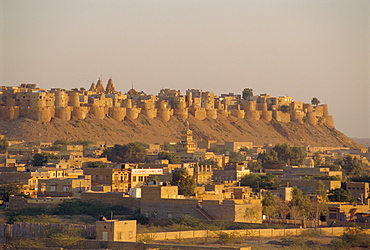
(282, 208)
(341, 195)
(184, 181)
(352, 166)
(289, 155)
(8, 189)
(270, 160)
(300, 205)
(320, 206)
(315, 101)
(235, 157)
(268, 181)
(255, 166)
(61, 142)
(169, 146)
(321, 192)
(153, 178)
(247, 92)
(97, 164)
(131, 152)
(40, 159)
(3, 145)
(171, 157)
(317, 159)
(216, 149)
(269, 204)
(281, 155)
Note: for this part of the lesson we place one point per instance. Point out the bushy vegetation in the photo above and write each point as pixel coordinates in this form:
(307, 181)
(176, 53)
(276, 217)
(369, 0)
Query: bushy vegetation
(322, 177)
(351, 166)
(130, 152)
(78, 142)
(184, 181)
(268, 181)
(92, 208)
(229, 238)
(353, 238)
(40, 159)
(171, 157)
(187, 222)
(97, 164)
(281, 155)
(234, 157)
(8, 189)
(341, 195)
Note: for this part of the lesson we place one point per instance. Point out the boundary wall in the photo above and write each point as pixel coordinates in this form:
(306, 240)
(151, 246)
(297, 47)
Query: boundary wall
(269, 232)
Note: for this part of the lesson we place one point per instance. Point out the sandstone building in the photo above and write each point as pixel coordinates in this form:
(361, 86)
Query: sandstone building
(43, 105)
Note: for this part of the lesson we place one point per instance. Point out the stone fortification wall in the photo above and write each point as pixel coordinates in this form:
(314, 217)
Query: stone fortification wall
(64, 113)
(42, 105)
(198, 113)
(211, 114)
(117, 113)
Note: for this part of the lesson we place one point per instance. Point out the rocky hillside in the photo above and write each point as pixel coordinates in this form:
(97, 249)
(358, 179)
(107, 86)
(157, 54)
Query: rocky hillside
(157, 131)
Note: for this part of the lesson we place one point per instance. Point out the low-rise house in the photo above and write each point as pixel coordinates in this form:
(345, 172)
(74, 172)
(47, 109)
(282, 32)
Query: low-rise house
(284, 193)
(164, 202)
(310, 186)
(298, 172)
(20, 202)
(114, 230)
(359, 190)
(341, 212)
(117, 178)
(230, 173)
(121, 179)
(64, 187)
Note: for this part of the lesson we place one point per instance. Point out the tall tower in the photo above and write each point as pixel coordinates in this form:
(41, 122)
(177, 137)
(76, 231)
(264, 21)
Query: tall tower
(187, 143)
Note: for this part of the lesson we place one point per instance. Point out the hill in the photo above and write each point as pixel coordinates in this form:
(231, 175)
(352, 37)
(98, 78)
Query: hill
(157, 131)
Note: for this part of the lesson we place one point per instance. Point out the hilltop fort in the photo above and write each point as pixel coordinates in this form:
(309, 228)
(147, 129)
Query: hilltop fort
(43, 105)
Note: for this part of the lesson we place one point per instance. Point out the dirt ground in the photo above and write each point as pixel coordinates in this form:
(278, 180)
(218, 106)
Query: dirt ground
(315, 242)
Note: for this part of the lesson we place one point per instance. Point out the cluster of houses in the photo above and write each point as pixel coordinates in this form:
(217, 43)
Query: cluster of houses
(218, 195)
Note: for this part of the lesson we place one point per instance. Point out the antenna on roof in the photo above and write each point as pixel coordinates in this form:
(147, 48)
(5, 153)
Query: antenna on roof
(132, 84)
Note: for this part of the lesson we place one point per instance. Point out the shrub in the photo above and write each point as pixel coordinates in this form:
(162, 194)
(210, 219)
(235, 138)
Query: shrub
(228, 238)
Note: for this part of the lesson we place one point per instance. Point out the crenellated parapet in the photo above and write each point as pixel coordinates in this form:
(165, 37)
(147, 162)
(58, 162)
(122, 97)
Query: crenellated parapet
(43, 105)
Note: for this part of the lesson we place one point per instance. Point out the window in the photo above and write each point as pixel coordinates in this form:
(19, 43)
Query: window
(52, 188)
(134, 178)
(141, 178)
(119, 235)
(65, 189)
(332, 216)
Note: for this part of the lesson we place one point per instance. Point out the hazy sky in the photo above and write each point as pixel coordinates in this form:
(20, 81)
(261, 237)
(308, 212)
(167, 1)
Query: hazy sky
(301, 48)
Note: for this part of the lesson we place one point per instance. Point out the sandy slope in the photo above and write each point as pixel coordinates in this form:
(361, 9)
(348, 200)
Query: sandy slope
(157, 131)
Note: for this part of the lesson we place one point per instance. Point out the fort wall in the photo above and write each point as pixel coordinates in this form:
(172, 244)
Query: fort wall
(133, 113)
(64, 113)
(117, 113)
(42, 105)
